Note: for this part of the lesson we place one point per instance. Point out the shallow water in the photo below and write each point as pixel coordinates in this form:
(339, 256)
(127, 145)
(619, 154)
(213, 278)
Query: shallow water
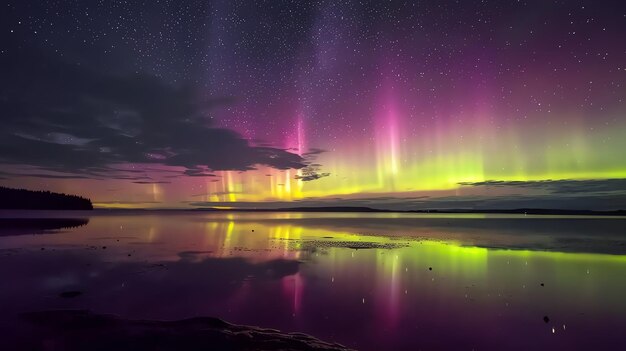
(367, 281)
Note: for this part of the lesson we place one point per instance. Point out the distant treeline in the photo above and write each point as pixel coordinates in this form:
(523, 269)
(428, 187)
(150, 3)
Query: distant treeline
(22, 199)
(525, 211)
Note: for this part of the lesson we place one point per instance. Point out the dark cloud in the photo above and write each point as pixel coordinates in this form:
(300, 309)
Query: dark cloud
(314, 152)
(42, 175)
(197, 172)
(310, 177)
(562, 186)
(311, 172)
(67, 118)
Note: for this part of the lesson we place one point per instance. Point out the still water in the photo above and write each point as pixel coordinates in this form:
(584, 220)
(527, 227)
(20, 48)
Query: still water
(367, 281)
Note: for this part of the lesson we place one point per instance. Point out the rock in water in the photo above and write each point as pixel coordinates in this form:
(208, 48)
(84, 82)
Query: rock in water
(70, 294)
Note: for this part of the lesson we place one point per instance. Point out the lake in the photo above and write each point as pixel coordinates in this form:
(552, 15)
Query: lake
(367, 281)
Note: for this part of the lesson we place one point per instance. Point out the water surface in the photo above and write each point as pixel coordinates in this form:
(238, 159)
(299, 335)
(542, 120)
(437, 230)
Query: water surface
(368, 281)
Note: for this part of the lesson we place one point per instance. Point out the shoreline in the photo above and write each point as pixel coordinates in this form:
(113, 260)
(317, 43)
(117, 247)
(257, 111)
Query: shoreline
(521, 211)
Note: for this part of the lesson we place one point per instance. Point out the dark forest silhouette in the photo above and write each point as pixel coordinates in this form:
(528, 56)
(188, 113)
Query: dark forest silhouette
(22, 199)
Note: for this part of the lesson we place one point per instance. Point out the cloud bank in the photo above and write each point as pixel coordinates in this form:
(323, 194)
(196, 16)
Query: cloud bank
(561, 186)
(61, 117)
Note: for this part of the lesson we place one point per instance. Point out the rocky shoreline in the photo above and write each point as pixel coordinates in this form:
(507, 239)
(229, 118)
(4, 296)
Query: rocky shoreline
(84, 330)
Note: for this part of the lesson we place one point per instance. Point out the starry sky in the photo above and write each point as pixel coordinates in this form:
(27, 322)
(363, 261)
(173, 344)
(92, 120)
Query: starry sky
(390, 104)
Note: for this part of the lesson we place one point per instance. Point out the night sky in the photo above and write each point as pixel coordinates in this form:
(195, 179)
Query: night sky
(391, 104)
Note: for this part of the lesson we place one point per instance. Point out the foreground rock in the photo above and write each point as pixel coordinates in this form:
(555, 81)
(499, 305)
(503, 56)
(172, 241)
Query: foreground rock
(83, 330)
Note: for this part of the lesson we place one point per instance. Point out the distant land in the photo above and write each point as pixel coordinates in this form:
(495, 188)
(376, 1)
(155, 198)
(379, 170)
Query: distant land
(529, 211)
(22, 199)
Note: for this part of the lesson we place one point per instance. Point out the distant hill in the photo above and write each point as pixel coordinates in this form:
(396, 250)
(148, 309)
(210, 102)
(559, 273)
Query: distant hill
(526, 211)
(22, 199)
(295, 209)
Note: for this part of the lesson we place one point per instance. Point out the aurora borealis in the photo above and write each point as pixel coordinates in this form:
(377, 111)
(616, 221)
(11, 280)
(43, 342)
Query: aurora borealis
(403, 104)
